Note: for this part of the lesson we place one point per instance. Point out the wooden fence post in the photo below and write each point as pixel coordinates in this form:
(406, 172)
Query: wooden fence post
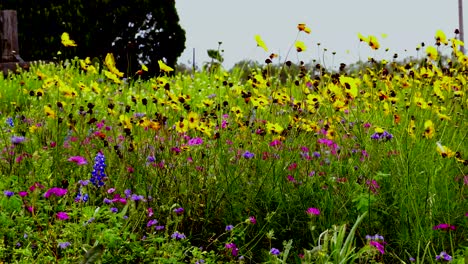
(9, 35)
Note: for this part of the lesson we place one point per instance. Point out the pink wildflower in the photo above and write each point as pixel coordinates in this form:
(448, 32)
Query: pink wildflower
(313, 211)
(62, 216)
(78, 160)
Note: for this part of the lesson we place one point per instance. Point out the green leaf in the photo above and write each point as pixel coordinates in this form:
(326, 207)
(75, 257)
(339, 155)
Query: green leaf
(93, 255)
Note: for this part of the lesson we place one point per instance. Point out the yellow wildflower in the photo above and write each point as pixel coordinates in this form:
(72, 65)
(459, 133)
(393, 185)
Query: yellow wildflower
(163, 67)
(300, 46)
(431, 53)
(260, 42)
(373, 42)
(440, 38)
(237, 111)
(273, 128)
(49, 112)
(362, 38)
(193, 120)
(444, 151)
(66, 41)
(126, 121)
(428, 129)
(109, 61)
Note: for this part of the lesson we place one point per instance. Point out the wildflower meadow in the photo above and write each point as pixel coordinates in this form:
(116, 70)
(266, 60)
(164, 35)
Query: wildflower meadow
(291, 164)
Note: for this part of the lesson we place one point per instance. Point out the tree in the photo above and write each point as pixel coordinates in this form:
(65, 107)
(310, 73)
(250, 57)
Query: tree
(136, 31)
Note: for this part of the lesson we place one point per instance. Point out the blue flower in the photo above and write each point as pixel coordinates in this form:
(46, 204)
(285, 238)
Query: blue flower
(229, 227)
(8, 193)
(9, 122)
(98, 174)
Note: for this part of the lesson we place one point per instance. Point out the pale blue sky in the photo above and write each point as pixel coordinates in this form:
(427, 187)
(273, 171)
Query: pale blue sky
(334, 24)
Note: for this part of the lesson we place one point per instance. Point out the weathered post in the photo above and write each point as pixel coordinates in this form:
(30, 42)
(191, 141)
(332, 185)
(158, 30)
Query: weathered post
(9, 35)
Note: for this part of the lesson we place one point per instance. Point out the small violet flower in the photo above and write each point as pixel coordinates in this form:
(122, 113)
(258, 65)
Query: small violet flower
(178, 236)
(248, 155)
(17, 140)
(64, 245)
(179, 210)
(195, 141)
(8, 193)
(443, 256)
(274, 251)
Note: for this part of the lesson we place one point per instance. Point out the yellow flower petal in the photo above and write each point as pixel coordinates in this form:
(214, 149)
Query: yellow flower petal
(164, 67)
(260, 42)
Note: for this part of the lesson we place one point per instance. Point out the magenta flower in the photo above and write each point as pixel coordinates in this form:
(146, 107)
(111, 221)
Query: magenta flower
(22, 193)
(378, 246)
(36, 185)
(445, 227)
(233, 247)
(62, 216)
(276, 143)
(55, 191)
(252, 220)
(195, 141)
(78, 160)
(313, 211)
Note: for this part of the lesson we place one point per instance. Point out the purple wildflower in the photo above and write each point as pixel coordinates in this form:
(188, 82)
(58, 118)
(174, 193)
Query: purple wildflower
(445, 227)
(62, 216)
(229, 228)
(78, 160)
(233, 247)
(378, 246)
(248, 155)
(136, 197)
(114, 210)
(384, 136)
(274, 251)
(179, 210)
(443, 256)
(64, 245)
(377, 241)
(313, 211)
(55, 191)
(159, 227)
(8, 193)
(195, 141)
(17, 140)
(252, 220)
(151, 222)
(178, 236)
(22, 193)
